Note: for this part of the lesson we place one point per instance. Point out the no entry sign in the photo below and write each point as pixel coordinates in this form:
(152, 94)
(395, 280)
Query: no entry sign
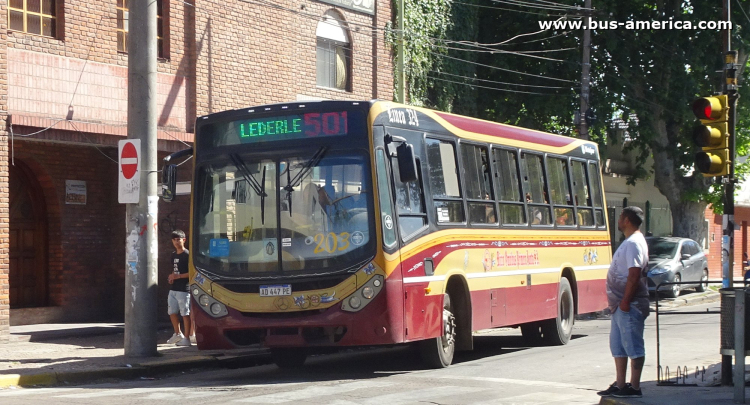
(129, 182)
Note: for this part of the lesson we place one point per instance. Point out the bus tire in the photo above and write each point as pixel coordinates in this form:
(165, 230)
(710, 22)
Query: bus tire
(438, 352)
(557, 331)
(288, 357)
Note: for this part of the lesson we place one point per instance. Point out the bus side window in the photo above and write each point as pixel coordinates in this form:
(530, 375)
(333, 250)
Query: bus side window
(557, 170)
(446, 191)
(581, 195)
(479, 193)
(412, 217)
(386, 204)
(509, 190)
(595, 179)
(535, 185)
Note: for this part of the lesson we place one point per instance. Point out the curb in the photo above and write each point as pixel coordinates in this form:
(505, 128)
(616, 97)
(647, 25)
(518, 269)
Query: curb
(148, 369)
(619, 401)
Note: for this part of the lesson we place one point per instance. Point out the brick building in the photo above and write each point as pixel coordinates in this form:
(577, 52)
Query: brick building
(63, 101)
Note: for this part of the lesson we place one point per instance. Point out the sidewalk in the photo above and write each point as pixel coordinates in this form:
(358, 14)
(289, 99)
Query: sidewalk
(52, 354)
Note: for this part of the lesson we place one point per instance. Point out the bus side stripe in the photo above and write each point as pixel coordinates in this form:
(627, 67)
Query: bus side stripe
(427, 279)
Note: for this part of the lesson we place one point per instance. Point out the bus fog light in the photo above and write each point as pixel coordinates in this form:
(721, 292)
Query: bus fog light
(203, 300)
(376, 283)
(196, 291)
(368, 292)
(216, 308)
(355, 302)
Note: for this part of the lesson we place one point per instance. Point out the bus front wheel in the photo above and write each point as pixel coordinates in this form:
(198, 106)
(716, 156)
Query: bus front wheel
(557, 331)
(288, 357)
(438, 352)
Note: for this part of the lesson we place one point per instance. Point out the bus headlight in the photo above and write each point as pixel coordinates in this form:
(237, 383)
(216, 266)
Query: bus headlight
(208, 304)
(364, 295)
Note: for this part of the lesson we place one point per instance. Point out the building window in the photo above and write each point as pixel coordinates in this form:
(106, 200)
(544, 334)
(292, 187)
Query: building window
(122, 27)
(33, 16)
(333, 58)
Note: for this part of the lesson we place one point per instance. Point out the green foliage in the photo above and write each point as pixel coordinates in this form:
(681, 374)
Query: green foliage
(650, 74)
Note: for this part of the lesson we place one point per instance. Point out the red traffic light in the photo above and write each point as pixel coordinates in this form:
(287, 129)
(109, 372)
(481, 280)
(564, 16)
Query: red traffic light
(709, 108)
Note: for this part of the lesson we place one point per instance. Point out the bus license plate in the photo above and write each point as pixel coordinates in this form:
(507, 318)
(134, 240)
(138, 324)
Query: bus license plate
(275, 290)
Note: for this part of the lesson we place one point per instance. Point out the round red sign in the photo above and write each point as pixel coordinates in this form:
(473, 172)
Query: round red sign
(129, 160)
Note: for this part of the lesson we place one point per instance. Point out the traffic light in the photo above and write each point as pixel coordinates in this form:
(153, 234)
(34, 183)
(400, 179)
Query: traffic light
(712, 135)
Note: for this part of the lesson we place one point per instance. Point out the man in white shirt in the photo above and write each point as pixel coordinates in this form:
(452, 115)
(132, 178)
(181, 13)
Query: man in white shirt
(627, 296)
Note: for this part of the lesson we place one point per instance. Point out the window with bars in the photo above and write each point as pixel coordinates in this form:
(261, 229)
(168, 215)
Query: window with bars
(33, 16)
(122, 27)
(333, 52)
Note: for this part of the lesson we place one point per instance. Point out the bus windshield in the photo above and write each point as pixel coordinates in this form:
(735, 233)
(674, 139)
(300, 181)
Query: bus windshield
(316, 207)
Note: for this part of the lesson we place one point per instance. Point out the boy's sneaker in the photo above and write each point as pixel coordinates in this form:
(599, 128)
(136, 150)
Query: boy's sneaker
(192, 339)
(628, 392)
(611, 390)
(175, 338)
(184, 342)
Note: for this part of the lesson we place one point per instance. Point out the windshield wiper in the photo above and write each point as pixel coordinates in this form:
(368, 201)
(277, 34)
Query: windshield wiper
(291, 183)
(258, 188)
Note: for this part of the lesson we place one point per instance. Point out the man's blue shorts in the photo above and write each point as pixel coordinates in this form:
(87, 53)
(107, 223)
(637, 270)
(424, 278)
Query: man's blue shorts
(178, 302)
(626, 336)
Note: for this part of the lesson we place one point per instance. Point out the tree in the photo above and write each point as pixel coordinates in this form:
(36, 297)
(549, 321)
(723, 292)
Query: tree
(652, 74)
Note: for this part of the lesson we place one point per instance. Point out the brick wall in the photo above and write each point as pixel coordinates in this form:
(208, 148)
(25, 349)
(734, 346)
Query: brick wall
(715, 232)
(221, 55)
(4, 188)
(86, 260)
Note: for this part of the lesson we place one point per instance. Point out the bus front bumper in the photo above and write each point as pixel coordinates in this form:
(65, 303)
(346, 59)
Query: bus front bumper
(327, 327)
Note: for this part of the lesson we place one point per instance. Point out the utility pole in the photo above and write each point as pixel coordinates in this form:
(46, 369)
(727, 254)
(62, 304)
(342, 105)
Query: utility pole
(141, 274)
(401, 75)
(585, 72)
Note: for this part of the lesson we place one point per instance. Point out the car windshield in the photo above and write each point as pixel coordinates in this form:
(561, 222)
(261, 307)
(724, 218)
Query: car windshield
(661, 248)
(316, 207)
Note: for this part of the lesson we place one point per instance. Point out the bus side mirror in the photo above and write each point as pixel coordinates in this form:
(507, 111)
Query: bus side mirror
(407, 163)
(168, 182)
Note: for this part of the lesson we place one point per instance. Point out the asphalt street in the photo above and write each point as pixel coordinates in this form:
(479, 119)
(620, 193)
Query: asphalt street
(501, 370)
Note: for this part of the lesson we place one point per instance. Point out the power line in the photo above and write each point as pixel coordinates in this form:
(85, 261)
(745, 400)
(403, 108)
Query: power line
(498, 82)
(508, 9)
(494, 88)
(503, 69)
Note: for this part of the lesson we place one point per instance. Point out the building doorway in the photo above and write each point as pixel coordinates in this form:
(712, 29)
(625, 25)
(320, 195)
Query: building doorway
(28, 240)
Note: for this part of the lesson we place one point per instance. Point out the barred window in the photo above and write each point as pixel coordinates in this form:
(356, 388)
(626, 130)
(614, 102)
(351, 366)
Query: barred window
(122, 27)
(33, 16)
(333, 52)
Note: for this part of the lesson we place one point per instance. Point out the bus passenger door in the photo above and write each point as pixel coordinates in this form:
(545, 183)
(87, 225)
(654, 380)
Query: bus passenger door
(421, 312)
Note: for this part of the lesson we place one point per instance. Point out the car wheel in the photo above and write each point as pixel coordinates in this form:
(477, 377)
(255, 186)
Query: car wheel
(674, 291)
(704, 282)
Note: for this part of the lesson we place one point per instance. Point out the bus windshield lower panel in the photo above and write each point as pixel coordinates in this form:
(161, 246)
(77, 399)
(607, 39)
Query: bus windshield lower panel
(283, 217)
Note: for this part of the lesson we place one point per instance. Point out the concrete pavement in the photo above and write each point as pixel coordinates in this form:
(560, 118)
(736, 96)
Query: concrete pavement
(52, 354)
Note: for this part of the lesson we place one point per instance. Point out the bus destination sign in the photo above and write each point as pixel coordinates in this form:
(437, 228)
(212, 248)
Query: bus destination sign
(309, 125)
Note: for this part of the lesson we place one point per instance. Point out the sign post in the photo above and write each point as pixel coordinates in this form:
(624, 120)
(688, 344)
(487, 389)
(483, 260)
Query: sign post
(129, 180)
(138, 179)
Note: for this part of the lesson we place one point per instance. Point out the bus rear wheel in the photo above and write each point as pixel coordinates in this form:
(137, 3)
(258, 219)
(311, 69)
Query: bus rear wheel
(288, 357)
(438, 352)
(558, 331)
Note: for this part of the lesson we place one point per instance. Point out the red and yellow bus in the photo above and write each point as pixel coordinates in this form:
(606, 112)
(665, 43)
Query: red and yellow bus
(337, 223)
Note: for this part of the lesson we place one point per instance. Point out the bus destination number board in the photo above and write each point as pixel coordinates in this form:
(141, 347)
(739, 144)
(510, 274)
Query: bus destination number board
(309, 125)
